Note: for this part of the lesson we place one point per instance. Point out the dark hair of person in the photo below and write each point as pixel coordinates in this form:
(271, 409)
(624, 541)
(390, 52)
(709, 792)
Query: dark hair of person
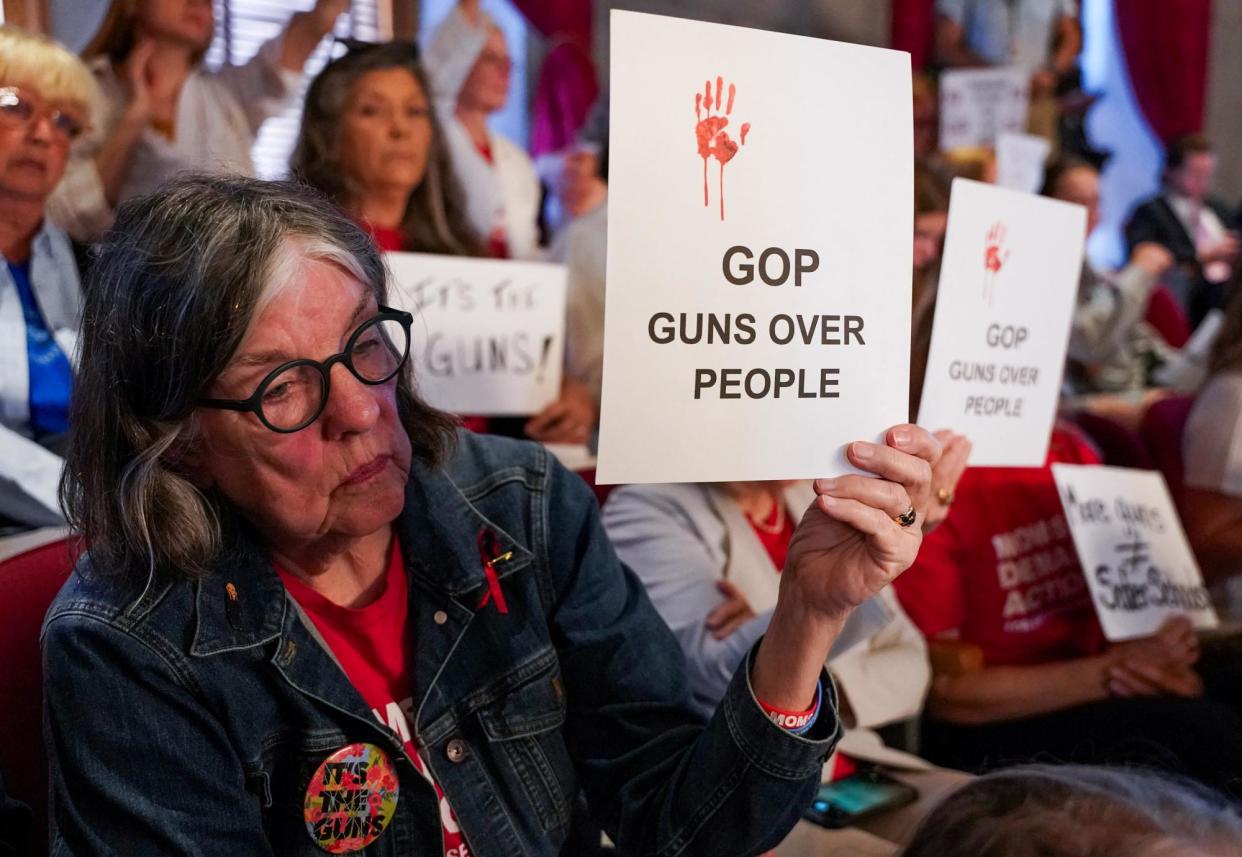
(174, 288)
(1058, 167)
(931, 192)
(1074, 810)
(435, 218)
(1179, 151)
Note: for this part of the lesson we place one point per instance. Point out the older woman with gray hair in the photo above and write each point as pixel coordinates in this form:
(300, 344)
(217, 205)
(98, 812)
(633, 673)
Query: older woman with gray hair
(1079, 810)
(313, 617)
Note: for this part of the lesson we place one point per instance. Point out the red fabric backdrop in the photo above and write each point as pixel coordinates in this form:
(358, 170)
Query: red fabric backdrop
(567, 84)
(1166, 49)
(911, 29)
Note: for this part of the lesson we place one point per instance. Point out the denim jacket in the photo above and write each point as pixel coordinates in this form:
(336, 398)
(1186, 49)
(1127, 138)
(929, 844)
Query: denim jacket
(183, 721)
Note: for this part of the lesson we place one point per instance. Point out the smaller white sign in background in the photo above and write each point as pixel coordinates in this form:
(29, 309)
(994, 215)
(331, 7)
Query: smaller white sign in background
(488, 335)
(1020, 160)
(978, 104)
(1008, 286)
(1132, 548)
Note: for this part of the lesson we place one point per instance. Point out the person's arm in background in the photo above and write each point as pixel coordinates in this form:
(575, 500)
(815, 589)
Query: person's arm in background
(885, 680)
(949, 45)
(1214, 526)
(1066, 40)
(29, 481)
(264, 85)
(306, 30)
(84, 202)
(1156, 665)
(1112, 307)
(658, 541)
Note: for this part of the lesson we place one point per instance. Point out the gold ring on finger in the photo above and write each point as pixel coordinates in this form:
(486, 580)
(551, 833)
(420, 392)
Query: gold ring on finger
(945, 496)
(907, 518)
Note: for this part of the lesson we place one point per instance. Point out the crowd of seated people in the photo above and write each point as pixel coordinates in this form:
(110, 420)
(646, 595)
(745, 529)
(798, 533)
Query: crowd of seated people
(241, 570)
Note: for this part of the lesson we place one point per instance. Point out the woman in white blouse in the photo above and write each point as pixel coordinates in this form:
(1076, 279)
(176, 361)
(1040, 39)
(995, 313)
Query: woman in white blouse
(161, 112)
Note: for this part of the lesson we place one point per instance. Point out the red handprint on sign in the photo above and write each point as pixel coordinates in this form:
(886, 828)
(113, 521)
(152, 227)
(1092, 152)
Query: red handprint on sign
(714, 141)
(994, 256)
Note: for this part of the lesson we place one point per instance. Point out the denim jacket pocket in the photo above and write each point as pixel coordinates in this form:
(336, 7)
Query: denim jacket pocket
(525, 731)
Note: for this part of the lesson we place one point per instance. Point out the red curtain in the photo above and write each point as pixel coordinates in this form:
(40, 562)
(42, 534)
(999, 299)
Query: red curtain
(1166, 49)
(567, 85)
(911, 29)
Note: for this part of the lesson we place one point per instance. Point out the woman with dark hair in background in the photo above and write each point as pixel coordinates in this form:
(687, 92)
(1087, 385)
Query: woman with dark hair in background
(371, 140)
(160, 112)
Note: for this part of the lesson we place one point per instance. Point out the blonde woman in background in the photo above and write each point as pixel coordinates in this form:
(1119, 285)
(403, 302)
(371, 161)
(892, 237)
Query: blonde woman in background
(44, 93)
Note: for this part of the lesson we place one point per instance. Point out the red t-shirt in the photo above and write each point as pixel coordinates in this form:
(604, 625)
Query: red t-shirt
(387, 238)
(775, 540)
(371, 644)
(1002, 570)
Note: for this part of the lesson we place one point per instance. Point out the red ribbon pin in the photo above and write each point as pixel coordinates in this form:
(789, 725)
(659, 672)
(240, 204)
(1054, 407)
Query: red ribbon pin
(489, 551)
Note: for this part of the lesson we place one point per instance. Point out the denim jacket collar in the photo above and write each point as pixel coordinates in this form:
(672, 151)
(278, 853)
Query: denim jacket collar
(241, 602)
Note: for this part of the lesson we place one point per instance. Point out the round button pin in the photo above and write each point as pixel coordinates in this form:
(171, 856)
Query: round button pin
(456, 750)
(439, 617)
(351, 798)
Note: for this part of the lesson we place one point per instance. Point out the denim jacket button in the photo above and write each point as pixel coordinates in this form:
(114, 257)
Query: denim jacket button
(456, 750)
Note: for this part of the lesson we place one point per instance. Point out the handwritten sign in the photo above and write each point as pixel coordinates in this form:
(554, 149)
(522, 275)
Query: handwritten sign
(1020, 160)
(1132, 547)
(758, 304)
(1008, 283)
(978, 104)
(488, 335)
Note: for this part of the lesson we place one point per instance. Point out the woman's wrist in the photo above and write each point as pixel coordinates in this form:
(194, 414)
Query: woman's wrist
(791, 655)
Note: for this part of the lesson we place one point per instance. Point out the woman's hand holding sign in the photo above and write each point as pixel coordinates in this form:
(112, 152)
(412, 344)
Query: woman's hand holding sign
(850, 544)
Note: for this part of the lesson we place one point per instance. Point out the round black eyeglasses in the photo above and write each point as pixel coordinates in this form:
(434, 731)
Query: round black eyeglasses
(294, 394)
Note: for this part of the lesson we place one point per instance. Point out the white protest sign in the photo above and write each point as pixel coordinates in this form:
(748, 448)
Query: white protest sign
(1008, 287)
(1132, 548)
(758, 304)
(488, 335)
(978, 104)
(1020, 160)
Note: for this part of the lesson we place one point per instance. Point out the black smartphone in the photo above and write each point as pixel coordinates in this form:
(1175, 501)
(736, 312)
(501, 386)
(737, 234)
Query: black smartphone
(862, 794)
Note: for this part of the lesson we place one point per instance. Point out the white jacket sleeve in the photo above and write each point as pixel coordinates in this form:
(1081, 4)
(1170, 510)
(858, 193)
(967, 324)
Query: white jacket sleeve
(1107, 311)
(29, 481)
(262, 86)
(886, 679)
